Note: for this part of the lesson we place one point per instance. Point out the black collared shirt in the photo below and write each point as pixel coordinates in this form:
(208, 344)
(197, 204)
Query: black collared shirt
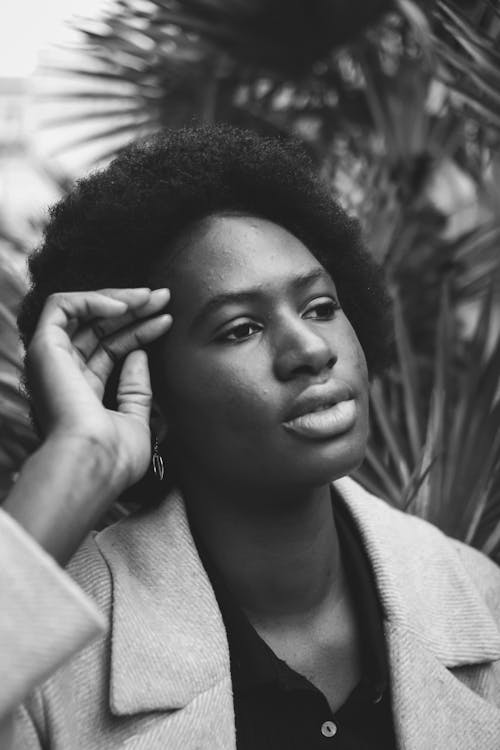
(276, 707)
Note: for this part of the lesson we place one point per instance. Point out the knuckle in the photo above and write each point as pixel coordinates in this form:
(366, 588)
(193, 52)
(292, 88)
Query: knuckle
(54, 299)
(37, 343)
(139, 339)
(108, 350)
(130, 395)
(135, 391)
(99, 329)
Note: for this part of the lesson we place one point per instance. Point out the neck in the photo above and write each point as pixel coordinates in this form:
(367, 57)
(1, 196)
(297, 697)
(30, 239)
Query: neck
(279, 557)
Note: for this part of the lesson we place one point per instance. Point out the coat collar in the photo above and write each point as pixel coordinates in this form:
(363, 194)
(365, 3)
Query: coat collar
(421, 581)
(435, 621)
(168, 638)
(168, 641)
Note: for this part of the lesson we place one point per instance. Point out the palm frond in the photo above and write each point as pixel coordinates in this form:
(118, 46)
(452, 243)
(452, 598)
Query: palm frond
(18, 438)
(453, 475)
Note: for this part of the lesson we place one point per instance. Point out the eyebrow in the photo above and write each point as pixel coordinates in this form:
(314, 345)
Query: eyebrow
(297, 283)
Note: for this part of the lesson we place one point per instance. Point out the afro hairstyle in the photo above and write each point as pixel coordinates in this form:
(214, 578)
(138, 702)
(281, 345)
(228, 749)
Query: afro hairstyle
(117, 224)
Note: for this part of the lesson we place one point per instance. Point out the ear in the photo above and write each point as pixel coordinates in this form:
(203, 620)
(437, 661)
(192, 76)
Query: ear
(158, 422)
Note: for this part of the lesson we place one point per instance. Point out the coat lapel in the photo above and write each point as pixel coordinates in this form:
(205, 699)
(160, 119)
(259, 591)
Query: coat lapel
(435, 621)
(431, 707)
(169, 649)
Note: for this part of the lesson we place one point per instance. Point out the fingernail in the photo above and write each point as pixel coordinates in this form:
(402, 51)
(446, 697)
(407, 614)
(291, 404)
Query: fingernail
(161, 293)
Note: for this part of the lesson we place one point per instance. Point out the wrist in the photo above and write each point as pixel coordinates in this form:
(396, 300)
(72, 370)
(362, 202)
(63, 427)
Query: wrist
(82, 451)
(62, 491)
(94, 457)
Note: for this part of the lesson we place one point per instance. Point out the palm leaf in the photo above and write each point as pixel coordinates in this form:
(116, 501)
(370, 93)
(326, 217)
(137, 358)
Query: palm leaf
(18, 438)
(453, 475)
(409, 380)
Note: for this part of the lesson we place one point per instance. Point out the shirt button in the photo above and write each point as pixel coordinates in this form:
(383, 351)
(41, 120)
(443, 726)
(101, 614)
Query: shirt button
(328, 729)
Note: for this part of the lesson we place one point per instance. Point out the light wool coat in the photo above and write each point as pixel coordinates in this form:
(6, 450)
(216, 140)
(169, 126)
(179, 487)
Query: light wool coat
(160, 676)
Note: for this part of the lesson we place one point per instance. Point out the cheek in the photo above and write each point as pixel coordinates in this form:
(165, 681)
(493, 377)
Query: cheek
(356, 354)
(361, 366)
(209, 393)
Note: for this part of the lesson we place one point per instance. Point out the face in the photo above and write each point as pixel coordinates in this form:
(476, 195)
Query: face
(262, 379)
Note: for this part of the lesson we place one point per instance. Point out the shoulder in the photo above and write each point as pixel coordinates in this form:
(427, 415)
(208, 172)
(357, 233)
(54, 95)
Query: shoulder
(418, 554)
(405, 528)
(484, 573)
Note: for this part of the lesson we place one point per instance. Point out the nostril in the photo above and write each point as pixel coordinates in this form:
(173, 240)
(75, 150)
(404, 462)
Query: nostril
(304, 355)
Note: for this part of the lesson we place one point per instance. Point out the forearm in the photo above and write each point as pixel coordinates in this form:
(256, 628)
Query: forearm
(62, 490)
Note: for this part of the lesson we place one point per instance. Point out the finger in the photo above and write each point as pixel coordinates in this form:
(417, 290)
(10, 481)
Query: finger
(134, 387)
(87, 338)
(59, 309)
(114, 348)
(158, 299)
(63, 308)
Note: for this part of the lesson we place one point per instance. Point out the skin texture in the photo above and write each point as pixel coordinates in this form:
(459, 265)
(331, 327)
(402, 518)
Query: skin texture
(233, 375)
(89, 454)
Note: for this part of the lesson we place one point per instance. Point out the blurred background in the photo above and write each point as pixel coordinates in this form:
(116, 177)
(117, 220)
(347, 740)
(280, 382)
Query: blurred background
(398, 104)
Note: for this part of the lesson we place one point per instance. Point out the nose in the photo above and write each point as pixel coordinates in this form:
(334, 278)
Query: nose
(301, 350)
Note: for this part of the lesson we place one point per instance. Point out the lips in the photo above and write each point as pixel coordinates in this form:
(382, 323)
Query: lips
(323, 413)
(318, 399)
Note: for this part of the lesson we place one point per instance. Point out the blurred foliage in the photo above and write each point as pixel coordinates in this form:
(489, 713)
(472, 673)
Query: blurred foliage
(442, 462)
(398, 104)
(17, 437)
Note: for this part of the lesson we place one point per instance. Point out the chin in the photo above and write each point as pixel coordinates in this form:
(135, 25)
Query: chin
(321, 464)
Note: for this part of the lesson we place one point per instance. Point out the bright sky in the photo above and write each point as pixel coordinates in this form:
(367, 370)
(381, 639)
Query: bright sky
(27, 26)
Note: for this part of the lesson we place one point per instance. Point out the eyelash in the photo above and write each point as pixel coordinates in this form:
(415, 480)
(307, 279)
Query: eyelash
(332, 305)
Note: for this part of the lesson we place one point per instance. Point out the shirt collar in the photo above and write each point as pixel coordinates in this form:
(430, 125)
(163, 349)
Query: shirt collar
(254, 664)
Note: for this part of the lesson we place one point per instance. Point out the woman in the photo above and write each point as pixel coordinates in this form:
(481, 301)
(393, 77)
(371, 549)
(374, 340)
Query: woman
(267, 601)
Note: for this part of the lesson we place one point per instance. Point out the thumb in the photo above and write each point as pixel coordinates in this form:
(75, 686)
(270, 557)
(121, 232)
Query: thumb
(134, 386)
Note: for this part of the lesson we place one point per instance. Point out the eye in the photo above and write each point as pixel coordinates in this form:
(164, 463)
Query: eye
(322, 309)
(239, 332)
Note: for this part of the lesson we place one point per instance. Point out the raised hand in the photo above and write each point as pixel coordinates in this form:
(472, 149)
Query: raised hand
(79, 339)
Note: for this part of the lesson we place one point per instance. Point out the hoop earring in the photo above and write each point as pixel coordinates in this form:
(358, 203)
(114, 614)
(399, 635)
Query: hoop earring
(157, 461)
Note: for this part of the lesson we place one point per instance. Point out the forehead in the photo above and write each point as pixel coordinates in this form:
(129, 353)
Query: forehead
(224, 252)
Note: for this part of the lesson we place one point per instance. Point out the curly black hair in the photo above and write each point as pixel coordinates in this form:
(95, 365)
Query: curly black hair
(115, 225)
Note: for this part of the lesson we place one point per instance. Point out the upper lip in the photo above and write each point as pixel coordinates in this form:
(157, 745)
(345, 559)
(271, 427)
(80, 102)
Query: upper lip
(318, 397)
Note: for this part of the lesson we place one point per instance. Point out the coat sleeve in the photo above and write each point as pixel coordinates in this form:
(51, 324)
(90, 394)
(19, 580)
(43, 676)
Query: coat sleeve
(45, 618)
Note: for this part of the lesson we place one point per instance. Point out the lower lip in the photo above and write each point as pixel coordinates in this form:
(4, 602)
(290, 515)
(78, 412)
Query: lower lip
(329, 423)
